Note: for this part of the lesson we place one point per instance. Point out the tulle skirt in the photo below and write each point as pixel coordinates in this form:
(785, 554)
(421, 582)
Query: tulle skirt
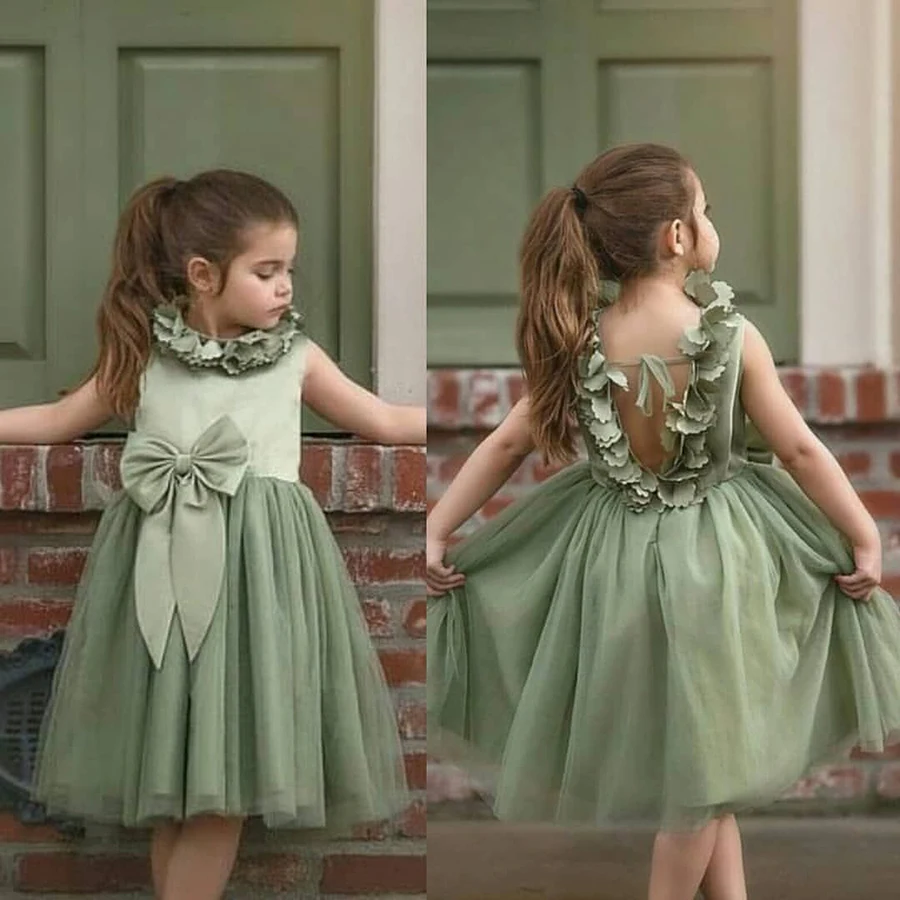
(283, 714)
(656, 666)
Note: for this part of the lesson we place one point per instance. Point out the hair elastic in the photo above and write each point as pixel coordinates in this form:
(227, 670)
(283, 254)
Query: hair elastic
(581, 199)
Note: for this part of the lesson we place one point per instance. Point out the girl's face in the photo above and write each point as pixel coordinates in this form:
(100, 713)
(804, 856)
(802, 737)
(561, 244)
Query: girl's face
(259, 287)
(705, 251)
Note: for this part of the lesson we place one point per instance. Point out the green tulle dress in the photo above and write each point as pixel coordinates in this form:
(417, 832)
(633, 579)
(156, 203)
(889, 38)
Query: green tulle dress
(659, 647)
(217, 660)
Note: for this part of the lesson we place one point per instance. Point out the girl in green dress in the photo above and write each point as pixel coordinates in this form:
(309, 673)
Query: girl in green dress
(664, 631)
(217, 664)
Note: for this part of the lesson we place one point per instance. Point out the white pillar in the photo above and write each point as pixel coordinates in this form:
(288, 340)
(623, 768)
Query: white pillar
(845, 182)
(400, 248)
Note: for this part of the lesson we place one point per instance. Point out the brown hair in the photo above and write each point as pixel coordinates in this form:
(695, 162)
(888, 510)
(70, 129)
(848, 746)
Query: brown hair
(164, 224)
(606, 226)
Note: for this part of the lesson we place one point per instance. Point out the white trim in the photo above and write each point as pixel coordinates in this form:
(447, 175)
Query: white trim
(882, 101)
(400, 211)
(845, 182)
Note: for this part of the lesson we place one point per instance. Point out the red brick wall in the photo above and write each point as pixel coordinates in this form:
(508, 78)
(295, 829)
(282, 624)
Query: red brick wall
(857, 414)
(374, 497)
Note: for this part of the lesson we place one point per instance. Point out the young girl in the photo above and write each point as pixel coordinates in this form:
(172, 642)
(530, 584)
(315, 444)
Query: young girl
(665, 631)
(217, 664)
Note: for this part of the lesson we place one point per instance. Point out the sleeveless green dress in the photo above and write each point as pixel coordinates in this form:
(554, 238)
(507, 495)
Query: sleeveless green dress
(217, 660)
(666, 647)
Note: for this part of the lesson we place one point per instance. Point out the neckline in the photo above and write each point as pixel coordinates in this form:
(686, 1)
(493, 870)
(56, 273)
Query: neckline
(234, 355)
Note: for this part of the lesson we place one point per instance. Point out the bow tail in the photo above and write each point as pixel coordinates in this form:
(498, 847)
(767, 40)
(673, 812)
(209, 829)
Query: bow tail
(198, 564)
(153, 589)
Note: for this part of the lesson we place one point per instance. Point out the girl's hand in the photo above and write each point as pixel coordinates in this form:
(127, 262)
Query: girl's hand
(439, 578)
(867, 575)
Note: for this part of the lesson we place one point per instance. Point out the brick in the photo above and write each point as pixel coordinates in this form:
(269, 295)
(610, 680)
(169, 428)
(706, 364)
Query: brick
(81, 873)
(357, 523)
(412, 719)
(380, 566)
(362, 482)
(413, 822)
(856, 462)
(449, 467)
(882, 504)
(403, 667)
(832, 396)
(414, 617)
(516, 387)
(105, 474)
(56, 565)
(484, 399)
(348, 873)
(871, 396)
(842, 782)
(12, 831)
(64, 470)
(48, 523)
(796, 383)
(409, 479)
(895, 464)
(273, 871)
(8, 564)
(416, 769)
(18, 477)
(31, 618)
(495, 505)
(541, 471)
(378, 617)
(891, 583)
(316, 472)
(444, 402)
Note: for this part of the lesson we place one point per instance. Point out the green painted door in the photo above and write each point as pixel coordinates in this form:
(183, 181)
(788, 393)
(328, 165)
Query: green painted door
(523, 93)
(106, 95)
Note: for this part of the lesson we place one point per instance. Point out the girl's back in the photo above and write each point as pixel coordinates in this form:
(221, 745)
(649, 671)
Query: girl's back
(635, 329)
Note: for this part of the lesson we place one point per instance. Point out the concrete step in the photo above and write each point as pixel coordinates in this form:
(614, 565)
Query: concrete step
(853, 858)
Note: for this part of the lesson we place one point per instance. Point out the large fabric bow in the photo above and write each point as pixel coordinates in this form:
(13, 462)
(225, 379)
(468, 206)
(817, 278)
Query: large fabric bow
(180, 561)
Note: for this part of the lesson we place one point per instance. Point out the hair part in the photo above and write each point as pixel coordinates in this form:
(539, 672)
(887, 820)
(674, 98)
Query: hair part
(164, 224)
(606, 227)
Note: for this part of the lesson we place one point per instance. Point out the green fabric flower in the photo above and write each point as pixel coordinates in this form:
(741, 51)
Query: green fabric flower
(688, 419)
(258, 347)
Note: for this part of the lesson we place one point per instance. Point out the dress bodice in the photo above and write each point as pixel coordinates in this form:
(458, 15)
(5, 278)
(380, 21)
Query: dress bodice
(191, 381)
(704, 426)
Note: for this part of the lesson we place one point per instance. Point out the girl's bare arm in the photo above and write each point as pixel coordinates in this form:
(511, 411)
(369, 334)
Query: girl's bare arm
(809, 462)
(491, 464)
(53, 423)
(343, 402)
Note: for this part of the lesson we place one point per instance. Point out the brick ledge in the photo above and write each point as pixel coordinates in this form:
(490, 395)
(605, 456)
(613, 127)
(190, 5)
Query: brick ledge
(480, 398)
(345, 476)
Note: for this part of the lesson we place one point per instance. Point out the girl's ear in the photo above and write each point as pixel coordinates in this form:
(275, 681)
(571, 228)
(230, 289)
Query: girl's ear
(202, 275)
(674, 239)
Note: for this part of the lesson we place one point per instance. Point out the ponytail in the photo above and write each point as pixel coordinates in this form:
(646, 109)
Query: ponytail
(132, 291)
(559, 284)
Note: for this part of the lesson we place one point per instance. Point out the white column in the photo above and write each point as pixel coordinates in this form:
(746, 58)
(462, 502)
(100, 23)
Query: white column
(845, 182)
(400, 249)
